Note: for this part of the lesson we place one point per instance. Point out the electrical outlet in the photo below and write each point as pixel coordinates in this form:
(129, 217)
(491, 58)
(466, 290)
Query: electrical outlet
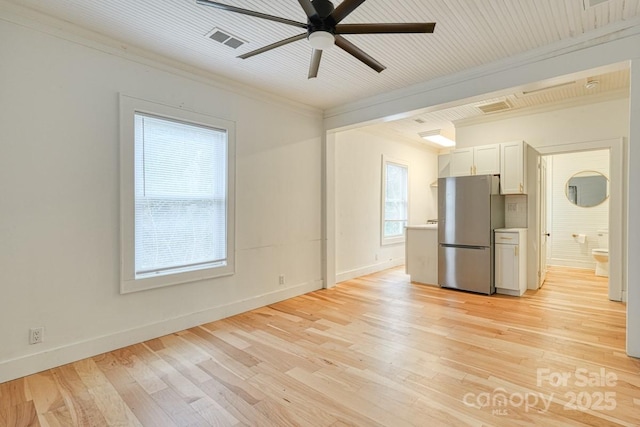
(281, 279)
(36, 335)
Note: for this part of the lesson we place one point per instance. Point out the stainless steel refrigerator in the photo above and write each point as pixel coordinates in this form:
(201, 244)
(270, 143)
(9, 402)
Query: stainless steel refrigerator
(469, 209)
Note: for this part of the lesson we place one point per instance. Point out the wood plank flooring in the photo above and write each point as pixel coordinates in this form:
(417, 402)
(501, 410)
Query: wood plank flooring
(374, 351)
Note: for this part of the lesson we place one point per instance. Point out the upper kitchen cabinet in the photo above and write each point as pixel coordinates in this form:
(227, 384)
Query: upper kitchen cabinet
(481, 160)
(486, 159)
(444, 165)
(513, 168)
(461, 162)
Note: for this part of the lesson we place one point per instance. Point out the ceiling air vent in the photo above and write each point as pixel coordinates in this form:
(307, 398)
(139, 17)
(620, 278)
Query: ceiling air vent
(587, 4)
(225, 38)
(494, 107)
(419, 121)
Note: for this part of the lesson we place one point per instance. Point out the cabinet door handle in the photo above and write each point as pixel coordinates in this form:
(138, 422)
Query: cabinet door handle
(521, 188)
(470, 170)
(475, 170)
(515, 250)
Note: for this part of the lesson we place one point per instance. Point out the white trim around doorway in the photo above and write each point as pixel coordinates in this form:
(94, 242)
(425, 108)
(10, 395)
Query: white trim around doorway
(617, 212)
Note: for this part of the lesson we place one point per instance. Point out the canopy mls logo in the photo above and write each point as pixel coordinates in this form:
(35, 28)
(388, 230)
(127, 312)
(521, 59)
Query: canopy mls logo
(500, 401)
(581, 397)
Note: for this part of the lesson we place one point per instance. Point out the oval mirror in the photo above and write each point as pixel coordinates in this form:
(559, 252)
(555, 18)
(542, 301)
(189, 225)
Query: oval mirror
(587, 189)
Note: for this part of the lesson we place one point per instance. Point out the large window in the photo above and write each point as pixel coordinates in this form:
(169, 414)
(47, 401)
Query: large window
(395, 197)
(177, 187)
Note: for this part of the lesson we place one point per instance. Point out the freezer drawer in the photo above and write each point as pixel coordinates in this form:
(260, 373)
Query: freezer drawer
(466, 268)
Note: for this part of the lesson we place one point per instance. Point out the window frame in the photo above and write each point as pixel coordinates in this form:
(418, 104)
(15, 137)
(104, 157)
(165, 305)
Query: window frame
(129, 106)
(392, 240)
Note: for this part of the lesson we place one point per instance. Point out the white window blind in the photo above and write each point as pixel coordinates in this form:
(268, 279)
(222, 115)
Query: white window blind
(180, 196)
(396, 201)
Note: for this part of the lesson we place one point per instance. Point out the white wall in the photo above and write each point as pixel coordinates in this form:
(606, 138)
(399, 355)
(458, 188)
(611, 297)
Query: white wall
(358, 186)
(59, 215)
(590, 122)
(568, 219)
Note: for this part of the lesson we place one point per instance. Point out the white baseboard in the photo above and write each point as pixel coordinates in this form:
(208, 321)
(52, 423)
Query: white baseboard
(51, 358)
(363, 271)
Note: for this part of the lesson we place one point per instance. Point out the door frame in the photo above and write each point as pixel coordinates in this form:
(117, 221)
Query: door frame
(617, 225)
(543, 209)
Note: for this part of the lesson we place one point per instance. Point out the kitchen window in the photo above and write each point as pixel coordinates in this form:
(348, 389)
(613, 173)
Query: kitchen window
(395, 197)
(177, 196)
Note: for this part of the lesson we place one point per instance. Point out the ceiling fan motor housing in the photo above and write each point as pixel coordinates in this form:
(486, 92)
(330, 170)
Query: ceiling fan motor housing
(323, 21)
(323, 7)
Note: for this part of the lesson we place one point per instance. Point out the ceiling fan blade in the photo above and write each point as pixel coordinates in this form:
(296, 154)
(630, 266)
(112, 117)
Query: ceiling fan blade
(309, 9)
(345, 8)
(251, 13)
(315, 63)
(352, 49)
(273, 46)
(426, 27)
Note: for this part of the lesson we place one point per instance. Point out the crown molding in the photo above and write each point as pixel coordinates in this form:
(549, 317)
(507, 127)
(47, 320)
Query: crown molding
(45, 24)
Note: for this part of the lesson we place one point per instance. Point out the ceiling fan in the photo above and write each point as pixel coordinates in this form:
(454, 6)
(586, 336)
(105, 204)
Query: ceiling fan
(323, 29)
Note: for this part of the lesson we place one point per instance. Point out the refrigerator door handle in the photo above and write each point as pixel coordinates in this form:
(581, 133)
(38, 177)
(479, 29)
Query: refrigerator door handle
(445, 245)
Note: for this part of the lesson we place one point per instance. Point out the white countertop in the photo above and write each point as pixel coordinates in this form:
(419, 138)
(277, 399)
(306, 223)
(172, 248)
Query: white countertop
(422, 227)
(510, 230)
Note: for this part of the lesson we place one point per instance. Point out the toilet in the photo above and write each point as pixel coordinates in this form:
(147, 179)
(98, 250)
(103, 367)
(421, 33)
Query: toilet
(601, 254)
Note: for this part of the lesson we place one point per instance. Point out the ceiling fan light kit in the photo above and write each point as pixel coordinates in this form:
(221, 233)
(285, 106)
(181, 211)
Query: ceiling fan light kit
(322, 40)
(323, 29)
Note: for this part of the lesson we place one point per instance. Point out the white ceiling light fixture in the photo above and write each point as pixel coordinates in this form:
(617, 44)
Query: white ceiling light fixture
(591, 84)
(321, 40)
(437, 137)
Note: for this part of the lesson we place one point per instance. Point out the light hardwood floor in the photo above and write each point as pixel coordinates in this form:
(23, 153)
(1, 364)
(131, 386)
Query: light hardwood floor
(377, 350)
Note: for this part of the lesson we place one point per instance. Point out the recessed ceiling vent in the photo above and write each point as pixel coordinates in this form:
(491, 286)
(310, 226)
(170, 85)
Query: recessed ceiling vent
(494, 107)
(225, 38)
(419, 121)
(587, 4)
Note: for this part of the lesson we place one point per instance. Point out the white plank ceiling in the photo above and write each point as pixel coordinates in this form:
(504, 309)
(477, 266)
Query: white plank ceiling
(545, 94)
(468, 33)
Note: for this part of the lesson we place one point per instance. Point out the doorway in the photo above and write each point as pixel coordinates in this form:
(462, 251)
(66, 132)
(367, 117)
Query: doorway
(569, 223)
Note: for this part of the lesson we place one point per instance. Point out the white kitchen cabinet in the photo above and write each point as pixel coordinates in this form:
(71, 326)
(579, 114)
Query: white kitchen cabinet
(511, 261)
(481, 160)
(444, 165)
(461, 162)
(486, 160)
(421, 253)
(513, 168)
